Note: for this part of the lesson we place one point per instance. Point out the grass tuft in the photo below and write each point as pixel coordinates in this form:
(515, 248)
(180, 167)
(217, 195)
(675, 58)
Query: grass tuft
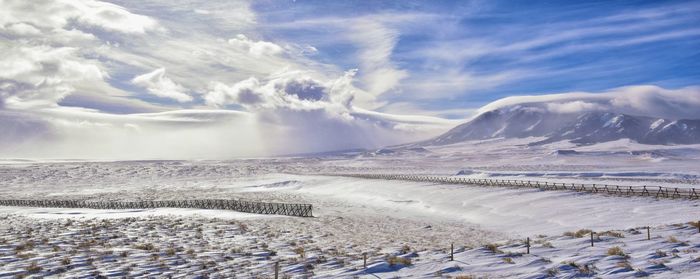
(493, 248)
(616, 251)
(394, 260)
(578, 234)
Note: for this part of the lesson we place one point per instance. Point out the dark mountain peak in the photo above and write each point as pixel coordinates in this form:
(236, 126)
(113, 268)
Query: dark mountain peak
(584, 127)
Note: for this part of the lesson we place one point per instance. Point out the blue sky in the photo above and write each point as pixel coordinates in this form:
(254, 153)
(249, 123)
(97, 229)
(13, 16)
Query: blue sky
(87, 76)
(541, 47)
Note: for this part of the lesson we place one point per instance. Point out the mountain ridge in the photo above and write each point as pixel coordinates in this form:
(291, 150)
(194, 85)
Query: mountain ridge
(583, 127)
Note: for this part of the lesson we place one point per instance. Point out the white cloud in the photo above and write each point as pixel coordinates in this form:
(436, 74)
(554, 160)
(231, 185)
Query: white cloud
(376, 44)
(294, 91)
(21, 29)
(52, 48)
(645, 100)
(256, 48)
(64, 62)
(573, 107)
(158, 84)
(42, 75)
(60, 13)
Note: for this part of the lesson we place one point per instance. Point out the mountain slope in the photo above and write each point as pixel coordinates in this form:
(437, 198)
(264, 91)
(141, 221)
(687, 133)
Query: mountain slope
(584, 127)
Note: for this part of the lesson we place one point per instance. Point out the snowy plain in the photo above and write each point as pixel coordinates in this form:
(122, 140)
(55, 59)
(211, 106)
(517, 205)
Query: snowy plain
(405, 228)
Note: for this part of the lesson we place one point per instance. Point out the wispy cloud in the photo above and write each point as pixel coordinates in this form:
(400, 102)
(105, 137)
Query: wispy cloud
(318, 76)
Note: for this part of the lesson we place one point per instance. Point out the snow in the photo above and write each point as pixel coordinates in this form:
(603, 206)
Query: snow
(656, 124)
(385, 219)
(615, 121)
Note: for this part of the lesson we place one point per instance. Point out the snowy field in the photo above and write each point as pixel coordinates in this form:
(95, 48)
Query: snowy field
(404, 228)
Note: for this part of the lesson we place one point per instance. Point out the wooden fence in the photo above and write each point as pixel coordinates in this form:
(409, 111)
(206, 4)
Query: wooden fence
(647, 191)
(300, 210)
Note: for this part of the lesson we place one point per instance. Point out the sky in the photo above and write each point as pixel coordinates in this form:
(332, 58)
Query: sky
(236, 78)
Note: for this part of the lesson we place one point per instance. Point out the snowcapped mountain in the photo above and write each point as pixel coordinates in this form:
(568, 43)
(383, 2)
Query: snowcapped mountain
(583, 126)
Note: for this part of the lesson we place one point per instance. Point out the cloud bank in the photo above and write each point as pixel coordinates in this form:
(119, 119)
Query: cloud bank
(224, 79)
(96, 80)
(643, 100)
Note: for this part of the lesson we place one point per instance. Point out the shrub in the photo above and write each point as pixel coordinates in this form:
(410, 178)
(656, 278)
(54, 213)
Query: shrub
(672, 239)
(33, 268)
(493, 248)
(393, 260)
(145, 246)
(572, 264)
(25, 256)
(405, 249)
(617, 234)
(660, 253)
(616, 251)
(582, 269)
(299, 251)
(625, 265)
(65, 261)
(508, 260)
(578, 234)
(28, 245)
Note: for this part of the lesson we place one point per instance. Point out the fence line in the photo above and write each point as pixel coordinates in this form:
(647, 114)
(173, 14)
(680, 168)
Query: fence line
(650, 191)
(300, 210)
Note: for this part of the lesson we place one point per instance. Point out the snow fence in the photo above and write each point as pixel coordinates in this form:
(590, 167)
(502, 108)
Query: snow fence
(289, 209)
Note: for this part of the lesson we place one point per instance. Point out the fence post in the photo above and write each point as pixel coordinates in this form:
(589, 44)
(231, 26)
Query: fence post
(648, 233)
(527, 244)
(277, 269)
(452, 251)
(364, 260)
(591, 238)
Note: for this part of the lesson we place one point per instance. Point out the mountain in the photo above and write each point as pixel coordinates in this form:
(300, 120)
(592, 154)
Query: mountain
(581, 127)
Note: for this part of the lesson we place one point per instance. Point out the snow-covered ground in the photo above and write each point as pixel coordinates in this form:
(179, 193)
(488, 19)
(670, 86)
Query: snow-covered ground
(415, 222)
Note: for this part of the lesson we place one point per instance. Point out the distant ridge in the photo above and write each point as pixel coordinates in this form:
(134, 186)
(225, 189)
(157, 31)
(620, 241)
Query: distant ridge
(585, 128)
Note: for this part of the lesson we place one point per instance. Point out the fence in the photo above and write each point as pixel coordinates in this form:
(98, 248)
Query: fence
(650, 191)
(300, 210)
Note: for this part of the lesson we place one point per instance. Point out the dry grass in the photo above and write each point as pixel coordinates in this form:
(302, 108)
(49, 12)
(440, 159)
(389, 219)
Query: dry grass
(625, 265)
(300, 251)
(582, 269)
(394, 260)
(616, 251)
(33, 268)
(493, 248)
(617, 234)
(170, 252)
(405, 249)
(578, 234)
(145, 246)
